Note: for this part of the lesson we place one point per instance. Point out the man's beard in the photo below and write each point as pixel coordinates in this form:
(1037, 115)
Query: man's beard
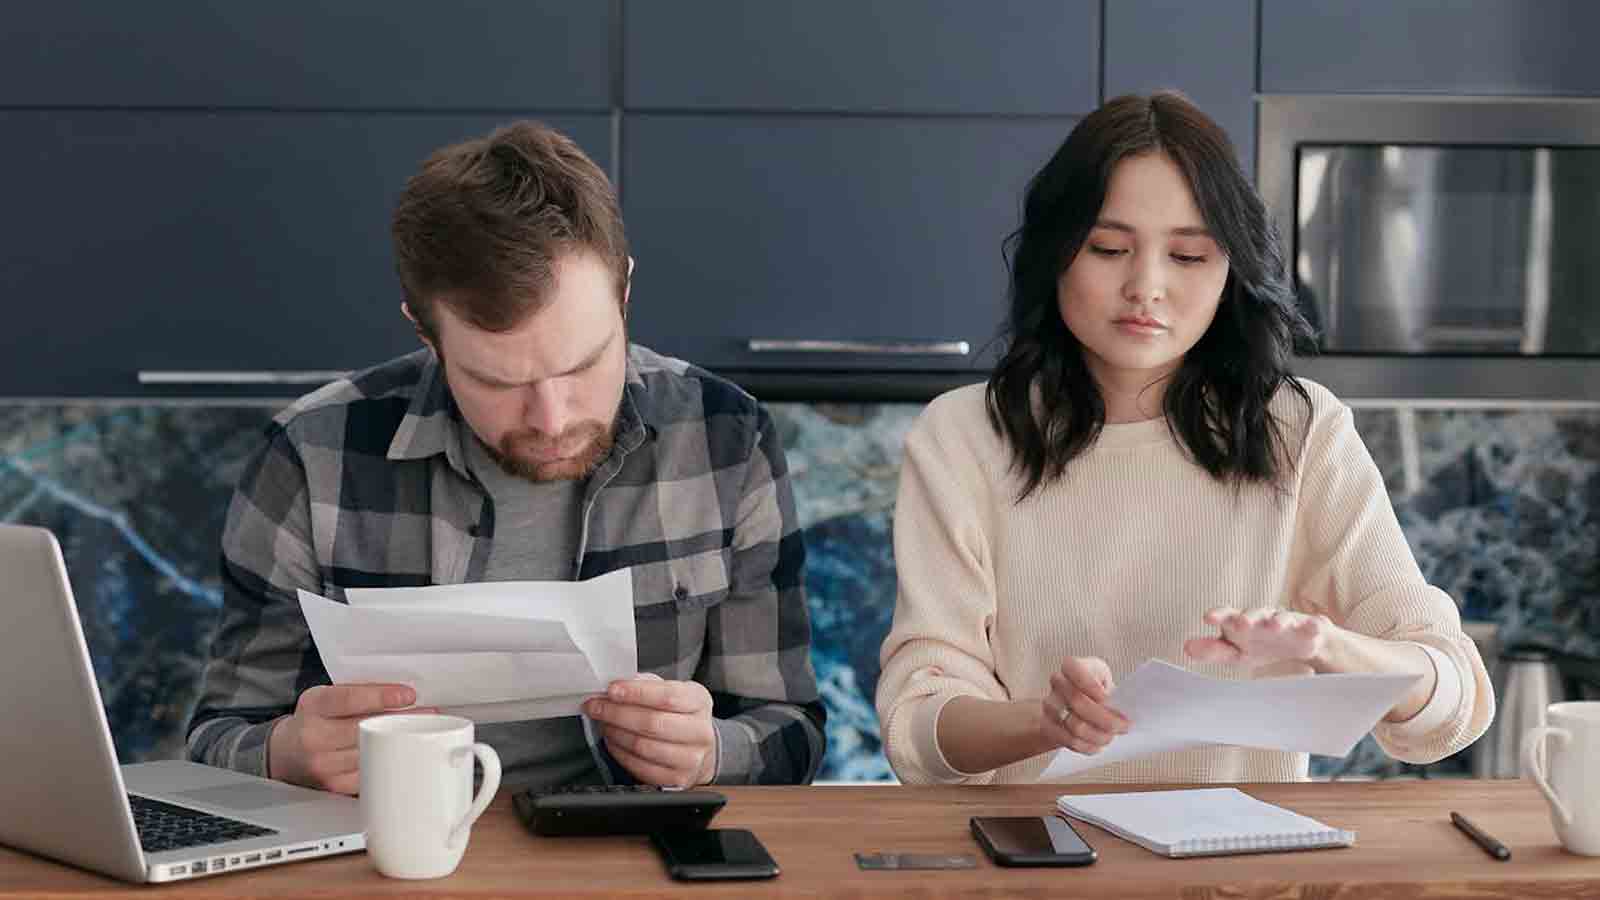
(520, 453)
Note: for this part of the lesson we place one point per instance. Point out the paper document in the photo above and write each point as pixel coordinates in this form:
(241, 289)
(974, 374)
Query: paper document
(494, 652)
(1175, 709)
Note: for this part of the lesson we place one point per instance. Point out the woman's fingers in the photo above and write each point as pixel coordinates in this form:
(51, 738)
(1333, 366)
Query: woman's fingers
(1209, 649)
(1073, 731)
(1084, 707)
(1076, 714)
(1257, 637)
(1090, 675)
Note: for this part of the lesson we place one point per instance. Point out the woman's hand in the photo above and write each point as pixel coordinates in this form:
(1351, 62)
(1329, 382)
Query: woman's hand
(1281, 639)
(1075, 713)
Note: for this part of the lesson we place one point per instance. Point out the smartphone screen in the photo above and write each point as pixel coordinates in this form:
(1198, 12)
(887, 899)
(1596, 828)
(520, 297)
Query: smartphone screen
(1032, 841)
(714, 853)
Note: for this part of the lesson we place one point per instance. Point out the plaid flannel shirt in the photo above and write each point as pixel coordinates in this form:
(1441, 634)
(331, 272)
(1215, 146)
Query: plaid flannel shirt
(364, 484)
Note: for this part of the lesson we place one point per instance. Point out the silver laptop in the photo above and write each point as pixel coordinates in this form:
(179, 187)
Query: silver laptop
(65, 797)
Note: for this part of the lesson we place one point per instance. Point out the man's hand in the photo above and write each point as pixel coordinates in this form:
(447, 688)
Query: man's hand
(1075, 714)
(317, 745)
(1280, 640)
(658, 730)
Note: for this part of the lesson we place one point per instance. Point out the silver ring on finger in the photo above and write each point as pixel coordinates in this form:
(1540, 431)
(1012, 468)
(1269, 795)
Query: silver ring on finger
(1063, 716)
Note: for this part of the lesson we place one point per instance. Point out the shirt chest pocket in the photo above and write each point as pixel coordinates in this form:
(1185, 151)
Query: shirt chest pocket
(672, 600)
(680, 585)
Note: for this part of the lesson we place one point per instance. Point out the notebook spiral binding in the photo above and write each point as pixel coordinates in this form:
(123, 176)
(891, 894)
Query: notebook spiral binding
(1263, 843)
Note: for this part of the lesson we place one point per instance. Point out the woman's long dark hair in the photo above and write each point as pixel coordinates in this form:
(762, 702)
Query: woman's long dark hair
(1042, 398)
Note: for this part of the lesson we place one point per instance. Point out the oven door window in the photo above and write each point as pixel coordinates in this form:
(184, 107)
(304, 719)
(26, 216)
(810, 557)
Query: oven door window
(1442, 250)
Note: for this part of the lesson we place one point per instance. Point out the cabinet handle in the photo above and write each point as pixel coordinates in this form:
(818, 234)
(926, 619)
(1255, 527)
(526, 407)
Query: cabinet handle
(901, 348)
(1509, 336)
(309, 376)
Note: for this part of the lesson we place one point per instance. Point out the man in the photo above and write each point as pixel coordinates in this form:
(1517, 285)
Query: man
(528, 440)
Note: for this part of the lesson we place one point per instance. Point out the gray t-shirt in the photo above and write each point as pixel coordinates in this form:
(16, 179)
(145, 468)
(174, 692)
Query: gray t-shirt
(536, 530)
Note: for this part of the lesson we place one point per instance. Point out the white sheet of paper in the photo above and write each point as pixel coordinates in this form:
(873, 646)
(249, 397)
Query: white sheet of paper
(493, 652)
(1174, 709)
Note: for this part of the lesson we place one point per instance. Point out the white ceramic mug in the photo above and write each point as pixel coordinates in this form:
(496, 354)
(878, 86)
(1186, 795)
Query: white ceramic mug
(416, 791)
(1568, 771)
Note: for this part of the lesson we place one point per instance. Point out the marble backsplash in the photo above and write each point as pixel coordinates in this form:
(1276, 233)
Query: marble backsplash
(1502, 508)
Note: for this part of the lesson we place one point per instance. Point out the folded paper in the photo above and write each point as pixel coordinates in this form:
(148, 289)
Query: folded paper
(1171, 708)
(493, 651)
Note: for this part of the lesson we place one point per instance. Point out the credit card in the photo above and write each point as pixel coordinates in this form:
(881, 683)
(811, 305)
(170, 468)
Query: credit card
(916, 861)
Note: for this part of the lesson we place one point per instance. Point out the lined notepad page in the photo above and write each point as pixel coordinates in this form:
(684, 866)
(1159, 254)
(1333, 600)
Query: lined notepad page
(1202, 822)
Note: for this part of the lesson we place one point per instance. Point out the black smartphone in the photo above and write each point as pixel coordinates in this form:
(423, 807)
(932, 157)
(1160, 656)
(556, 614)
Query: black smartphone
(1031, 841)
(714, 854)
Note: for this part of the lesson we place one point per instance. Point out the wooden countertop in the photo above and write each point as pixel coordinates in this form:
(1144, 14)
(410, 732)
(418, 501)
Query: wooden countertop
(1406, 847)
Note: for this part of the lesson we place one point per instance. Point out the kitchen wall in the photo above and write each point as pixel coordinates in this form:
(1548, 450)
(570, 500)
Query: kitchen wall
(1501, 507)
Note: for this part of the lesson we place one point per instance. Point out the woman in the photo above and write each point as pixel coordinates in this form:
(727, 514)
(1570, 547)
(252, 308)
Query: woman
(1142, 478)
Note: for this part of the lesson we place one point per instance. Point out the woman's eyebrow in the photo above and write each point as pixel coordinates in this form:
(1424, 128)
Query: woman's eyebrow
(1181, 230)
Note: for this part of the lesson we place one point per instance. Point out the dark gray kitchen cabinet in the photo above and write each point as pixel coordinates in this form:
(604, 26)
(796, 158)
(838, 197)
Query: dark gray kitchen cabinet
(308, 54)
(799, 229)
(1206, 50)
(1430, 46)
(229, 241)
(895, 56)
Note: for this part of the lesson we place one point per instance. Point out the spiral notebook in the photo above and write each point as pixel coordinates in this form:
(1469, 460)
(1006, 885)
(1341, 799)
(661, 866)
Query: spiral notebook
(1202, 822)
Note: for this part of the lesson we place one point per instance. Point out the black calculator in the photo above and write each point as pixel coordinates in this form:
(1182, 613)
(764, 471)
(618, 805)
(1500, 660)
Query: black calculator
(615, 809)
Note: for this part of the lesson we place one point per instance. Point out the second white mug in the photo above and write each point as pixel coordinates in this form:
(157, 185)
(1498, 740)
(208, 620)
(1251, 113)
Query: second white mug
(417, 804)
(1567, 771)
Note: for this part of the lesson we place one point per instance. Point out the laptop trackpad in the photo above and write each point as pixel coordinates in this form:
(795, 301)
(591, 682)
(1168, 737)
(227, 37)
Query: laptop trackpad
(249, 795)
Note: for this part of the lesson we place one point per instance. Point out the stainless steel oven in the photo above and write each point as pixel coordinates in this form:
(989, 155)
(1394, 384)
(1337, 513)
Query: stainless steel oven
(1445, 247)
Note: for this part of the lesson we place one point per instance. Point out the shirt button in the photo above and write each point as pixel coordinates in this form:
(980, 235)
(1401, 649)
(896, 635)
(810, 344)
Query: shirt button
(473, 530)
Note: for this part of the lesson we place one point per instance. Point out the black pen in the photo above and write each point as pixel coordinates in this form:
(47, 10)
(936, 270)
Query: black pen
(1490, 846)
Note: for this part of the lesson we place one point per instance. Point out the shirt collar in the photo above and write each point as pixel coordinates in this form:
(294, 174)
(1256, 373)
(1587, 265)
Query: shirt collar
(432, 424)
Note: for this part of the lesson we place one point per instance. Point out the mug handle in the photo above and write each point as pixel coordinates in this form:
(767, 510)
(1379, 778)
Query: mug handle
(1532, 743)
(491, 783)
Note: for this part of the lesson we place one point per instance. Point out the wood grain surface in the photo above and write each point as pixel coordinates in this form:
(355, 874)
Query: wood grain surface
(1405, 848)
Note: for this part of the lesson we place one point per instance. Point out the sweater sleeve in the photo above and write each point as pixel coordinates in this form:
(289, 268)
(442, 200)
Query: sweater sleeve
(938, 647)
(1352, 564)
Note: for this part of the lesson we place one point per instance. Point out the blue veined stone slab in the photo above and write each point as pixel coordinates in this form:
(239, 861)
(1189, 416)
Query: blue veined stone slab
(1499, 507)
(136, 495)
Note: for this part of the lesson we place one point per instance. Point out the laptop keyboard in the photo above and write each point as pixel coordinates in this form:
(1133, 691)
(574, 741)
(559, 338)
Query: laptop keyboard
(164, 826)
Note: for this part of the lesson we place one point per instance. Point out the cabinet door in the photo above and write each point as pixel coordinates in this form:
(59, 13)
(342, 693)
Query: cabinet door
(917, 56)
(1207, 51)
(1430, 46)
(792, 228)
(223, 241)
(307, 54)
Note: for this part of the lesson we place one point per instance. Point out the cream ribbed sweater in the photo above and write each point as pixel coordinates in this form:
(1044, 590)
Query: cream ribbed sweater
(1120, 558)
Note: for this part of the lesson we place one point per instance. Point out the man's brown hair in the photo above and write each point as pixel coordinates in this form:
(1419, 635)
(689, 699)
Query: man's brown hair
(481, 224)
